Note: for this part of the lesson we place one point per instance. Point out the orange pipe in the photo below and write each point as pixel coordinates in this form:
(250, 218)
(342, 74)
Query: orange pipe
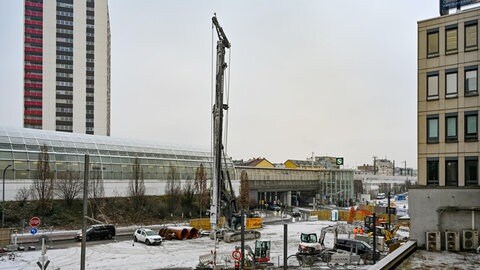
(173, 232)
(192, 232)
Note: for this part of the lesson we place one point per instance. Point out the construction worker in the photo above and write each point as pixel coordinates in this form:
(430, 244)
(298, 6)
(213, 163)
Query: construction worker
(355, 231)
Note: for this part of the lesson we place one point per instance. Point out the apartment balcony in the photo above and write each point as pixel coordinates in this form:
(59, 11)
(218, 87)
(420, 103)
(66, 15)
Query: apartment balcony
(33, 103)
(33, 31)
(33, 67)
(32, 94)
(33, 85)
(33, 49)
(32, 22)
(34, 40)
(33, 112)
(33, 4)
(33, 58)
(32, 121)
(33, 76)
(33, 13)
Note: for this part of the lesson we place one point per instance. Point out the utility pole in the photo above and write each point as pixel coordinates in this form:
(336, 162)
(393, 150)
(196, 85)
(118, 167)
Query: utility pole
(84, 214)
(374, 165)
(405, 168)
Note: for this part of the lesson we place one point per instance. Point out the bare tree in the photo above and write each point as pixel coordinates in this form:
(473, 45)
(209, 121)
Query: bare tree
(68, 186)
(244, 190)
(136, 187)
(201, 187)
(42, 187)
(188, 196)
(96, 191)
(172, 189)
(22, 195)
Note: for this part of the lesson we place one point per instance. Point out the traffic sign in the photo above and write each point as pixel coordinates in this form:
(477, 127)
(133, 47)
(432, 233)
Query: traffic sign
(339, 161)
(33, 230)
(236, 254)
(34, 222)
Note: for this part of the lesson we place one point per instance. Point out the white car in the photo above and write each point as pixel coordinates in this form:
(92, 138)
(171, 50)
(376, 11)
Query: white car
(147, 236)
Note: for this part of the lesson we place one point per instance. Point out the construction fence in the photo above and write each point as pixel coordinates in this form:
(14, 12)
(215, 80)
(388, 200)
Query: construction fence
(204, 223)
(356, 215)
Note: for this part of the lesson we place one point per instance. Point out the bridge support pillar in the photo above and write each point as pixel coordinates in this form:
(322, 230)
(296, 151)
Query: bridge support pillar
(289, 199)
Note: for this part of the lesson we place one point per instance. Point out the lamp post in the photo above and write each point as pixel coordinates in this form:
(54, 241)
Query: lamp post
(3, 192)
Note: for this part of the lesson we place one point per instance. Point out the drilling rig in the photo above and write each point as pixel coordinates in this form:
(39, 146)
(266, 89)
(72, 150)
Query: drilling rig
(223, 198)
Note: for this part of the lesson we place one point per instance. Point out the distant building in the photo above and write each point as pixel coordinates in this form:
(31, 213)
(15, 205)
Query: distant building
(316, 163)
(448, 104)
(254, 162)
(67, 66)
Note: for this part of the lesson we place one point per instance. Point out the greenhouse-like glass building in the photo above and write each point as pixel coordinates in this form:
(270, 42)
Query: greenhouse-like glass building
(111, 159)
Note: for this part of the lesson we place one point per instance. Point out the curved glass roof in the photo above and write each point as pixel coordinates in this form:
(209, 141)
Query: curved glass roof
(82, 142)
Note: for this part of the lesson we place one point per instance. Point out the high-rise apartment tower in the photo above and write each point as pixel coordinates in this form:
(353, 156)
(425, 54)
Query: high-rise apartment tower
(67, 66)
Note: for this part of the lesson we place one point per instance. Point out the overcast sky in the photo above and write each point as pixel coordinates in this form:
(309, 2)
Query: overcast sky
(335, 78)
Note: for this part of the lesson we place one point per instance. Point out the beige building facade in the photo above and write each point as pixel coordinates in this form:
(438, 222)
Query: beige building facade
(448, 101)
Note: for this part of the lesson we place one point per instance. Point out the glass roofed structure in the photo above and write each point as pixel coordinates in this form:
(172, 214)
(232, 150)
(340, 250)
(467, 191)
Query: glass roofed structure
(111, 159)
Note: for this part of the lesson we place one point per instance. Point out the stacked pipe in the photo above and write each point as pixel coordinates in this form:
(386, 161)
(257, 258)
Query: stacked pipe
(192, 232)
(170, 233)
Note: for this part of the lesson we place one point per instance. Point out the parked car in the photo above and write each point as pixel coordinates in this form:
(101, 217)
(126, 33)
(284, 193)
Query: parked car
(359, 247)
(147, 236)
(274, 207)
(296, 212)
(98, 231)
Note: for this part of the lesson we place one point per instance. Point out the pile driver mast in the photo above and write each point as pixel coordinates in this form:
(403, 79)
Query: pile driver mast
(223, 202)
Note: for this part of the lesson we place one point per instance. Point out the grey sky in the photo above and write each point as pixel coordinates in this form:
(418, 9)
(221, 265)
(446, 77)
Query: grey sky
(331, 77)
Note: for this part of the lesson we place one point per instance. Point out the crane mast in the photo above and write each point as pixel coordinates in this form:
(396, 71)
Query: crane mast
(217, 181)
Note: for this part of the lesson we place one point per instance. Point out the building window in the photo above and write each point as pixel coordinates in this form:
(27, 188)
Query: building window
(471, 126)
(432, 171)
(451, 84)
(451, 172)
(451, 128)
(432, 43)
(432, 85)
(451, 39)
(471, 171)
(471, 74)
(432, 129)
(471, 36)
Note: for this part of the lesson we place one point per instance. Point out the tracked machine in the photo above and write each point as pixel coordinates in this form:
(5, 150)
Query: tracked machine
(223, 201)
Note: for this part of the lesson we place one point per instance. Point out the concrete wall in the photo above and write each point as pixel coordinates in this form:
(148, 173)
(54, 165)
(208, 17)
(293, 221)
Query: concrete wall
(425, 210)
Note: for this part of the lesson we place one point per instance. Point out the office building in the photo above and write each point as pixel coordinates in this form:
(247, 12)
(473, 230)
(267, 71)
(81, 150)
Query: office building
(67, 66)
(448, 193)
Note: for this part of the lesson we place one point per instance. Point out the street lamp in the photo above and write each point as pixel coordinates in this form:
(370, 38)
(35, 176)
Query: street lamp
(3, 191)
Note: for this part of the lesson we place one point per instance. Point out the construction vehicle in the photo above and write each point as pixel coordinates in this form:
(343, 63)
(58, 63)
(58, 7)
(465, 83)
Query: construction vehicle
(368, 222)
(259, 257)
(311, 251)
(223, 197)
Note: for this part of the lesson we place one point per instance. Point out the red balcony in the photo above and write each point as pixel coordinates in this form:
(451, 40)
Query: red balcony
(33, 67)
(33, 58)
(33, 112)
(32, 22)
(33, 4)
(33, 103)
(33, 76)
(33, 49)
(33, 31)
(32, 121)
(33, 85)
(33, 13)
(32, 94)
(33, 40)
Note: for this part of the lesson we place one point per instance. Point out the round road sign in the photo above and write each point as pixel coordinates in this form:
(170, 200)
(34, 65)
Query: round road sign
(33, 231)
(236, 254)
(34, 222)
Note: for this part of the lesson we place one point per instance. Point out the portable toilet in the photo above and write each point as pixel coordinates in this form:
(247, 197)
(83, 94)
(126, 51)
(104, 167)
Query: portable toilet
(334, 215)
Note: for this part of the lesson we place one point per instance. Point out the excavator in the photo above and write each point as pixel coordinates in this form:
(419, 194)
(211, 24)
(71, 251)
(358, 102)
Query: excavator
(310, 251)
(223, 197)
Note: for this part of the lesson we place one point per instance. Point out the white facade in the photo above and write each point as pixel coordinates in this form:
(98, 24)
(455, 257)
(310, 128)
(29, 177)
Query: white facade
(75, 37)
